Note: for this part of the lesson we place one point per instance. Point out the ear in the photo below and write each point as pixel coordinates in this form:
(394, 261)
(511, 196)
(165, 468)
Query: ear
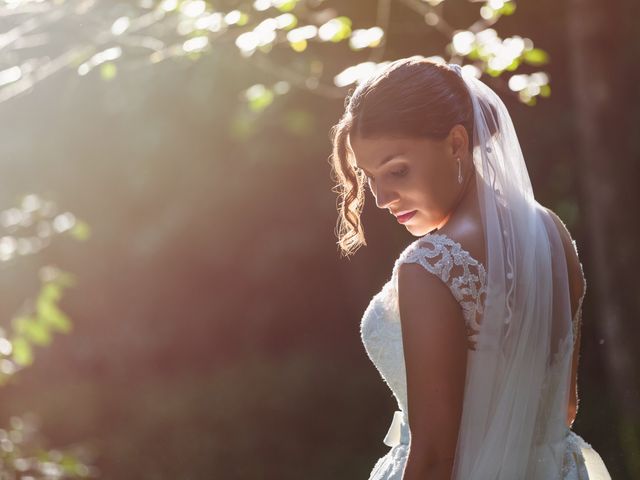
(458, 140)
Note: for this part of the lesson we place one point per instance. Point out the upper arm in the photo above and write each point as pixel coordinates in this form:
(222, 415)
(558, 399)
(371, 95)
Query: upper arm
(435, 349)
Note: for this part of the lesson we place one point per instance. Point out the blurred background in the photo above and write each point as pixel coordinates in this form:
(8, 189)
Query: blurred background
(174, 305)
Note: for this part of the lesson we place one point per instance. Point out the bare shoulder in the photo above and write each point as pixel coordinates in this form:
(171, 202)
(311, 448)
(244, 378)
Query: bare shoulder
(428, 309)
(469, 233)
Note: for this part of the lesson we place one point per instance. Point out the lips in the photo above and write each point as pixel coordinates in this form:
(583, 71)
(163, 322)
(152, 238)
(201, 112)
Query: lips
(405, 216)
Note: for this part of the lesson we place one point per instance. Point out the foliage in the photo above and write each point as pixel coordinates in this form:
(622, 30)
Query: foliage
(276, 35)
(28, 229)
(22, 457)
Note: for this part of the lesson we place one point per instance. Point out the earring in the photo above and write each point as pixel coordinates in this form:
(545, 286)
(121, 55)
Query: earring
(459, 171)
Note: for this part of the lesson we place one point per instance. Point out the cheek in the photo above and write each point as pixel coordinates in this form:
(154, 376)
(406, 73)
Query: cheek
(440, 176)
(430, 192)
(427, 185)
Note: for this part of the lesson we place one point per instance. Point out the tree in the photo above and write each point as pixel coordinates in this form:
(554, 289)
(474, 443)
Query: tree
(600, 94)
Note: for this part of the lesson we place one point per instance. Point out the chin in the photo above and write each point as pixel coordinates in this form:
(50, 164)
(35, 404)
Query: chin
(419, 229)
(416, 231)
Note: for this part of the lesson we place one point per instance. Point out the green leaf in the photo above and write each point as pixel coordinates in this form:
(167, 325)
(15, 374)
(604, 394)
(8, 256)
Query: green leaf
(38, 334)
(108, 70)
(514, 65)
(536, 57)
(299, 46)
(49, 314)
(243, 20)
(344, 30)
(51, 291)
(508, 8)
(260, 97)
(80, 231)
(22, 353)
(20, 323)
(31, 329)
(473, 54)
(545, 91)
(286, 5)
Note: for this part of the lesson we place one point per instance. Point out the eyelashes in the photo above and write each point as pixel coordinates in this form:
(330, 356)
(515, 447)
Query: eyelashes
(400, 173)
(395, 173)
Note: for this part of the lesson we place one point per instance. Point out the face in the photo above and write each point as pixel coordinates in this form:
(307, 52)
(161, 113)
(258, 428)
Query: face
(414, 179)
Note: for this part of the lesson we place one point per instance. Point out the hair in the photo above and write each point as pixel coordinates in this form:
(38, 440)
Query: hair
(412, 97)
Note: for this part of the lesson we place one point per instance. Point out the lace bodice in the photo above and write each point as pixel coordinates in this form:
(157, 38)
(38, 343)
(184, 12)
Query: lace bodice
(380, 326)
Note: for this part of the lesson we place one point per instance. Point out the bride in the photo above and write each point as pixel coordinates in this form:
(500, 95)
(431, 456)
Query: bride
(477, 331)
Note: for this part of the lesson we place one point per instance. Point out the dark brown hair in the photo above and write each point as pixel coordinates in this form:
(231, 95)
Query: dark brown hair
(410, 98)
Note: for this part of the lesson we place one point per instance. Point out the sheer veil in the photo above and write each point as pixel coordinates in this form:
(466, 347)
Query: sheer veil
(518, 380)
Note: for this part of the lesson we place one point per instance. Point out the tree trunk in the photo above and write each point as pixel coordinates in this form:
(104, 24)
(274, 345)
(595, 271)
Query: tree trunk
(599, 93)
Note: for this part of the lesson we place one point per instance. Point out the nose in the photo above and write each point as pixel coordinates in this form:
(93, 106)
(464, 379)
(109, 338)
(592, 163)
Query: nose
(384, 196)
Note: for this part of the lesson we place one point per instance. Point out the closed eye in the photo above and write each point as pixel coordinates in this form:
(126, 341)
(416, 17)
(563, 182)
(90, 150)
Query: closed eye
(396, 173)
(400, 173)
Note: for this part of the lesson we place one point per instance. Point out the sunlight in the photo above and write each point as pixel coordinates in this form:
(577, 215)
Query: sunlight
(5, 347)
(99, 58)
(195, 44)
(169, 5)
(302, 33)
(193, 8)
(286, 20)
(9, 75)
(247, 42)
(356, 73)
(261, 5)
(364, 38)
(463, 42)
(120, 26)
(233, 17)
(212, 22)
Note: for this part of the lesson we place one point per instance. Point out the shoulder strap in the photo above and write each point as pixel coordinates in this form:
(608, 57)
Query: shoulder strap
(463, 274)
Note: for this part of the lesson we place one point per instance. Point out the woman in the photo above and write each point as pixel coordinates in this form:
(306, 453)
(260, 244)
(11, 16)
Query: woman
(477, 331)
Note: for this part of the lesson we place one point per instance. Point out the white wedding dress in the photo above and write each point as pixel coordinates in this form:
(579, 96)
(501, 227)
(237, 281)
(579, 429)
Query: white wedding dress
(382, 338)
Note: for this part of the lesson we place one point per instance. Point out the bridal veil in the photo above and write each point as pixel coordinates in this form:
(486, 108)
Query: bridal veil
(518, 380)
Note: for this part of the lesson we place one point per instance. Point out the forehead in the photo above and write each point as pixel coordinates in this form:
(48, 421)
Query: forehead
(365, 144)
(368, 150)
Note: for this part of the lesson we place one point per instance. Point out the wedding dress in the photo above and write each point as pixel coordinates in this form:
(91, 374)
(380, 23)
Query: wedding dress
(568, 457)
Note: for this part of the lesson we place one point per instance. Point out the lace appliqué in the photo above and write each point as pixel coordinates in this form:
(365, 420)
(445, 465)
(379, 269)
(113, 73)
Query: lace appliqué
(463, 274)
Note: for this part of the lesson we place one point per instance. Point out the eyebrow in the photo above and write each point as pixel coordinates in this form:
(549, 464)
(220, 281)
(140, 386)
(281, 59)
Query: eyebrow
(386, 159)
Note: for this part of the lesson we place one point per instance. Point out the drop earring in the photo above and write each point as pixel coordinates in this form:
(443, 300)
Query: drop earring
(459, 171)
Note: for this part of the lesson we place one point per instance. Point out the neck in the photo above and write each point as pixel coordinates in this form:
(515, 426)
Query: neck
(461, 202)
